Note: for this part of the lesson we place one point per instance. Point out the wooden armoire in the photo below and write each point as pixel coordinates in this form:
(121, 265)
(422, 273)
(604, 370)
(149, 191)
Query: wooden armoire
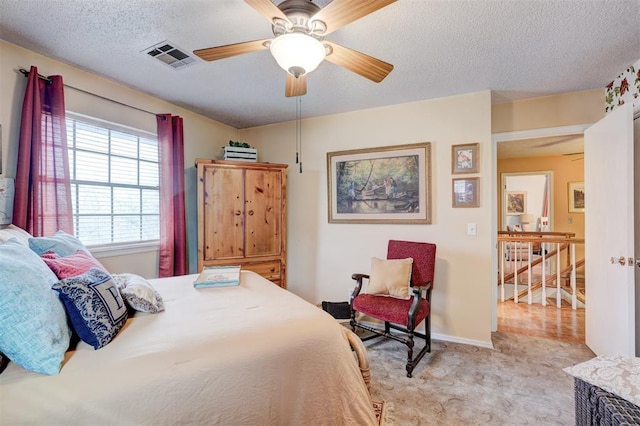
(242, 216)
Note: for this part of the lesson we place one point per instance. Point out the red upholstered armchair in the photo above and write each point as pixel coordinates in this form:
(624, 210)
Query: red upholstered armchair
(399, 313)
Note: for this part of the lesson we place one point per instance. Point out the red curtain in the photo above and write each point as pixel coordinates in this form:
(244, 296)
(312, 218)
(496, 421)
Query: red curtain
(173, 240)
(42, 202)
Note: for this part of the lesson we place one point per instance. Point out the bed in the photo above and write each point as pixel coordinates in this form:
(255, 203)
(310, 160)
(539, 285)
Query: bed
(252, 354)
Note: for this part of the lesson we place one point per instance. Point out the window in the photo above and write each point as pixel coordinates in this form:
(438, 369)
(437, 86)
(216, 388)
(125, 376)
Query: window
(114, 182)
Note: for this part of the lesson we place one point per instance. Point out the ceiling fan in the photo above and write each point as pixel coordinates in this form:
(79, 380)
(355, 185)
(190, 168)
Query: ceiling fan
(298, 46)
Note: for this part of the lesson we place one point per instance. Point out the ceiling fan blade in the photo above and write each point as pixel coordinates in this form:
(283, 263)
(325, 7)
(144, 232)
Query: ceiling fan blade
(339, 13)
(359, 63)
(295, 86)
(229, 50)
(267, 9)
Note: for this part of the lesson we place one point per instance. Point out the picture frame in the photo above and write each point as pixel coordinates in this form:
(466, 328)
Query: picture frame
(380, 185)
(465, 158)
(516, 202)
(576, 197)
(465, 192)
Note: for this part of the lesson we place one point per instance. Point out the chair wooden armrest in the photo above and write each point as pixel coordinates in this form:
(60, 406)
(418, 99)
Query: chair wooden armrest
(420, 288)
(417, 295)
(358, 279)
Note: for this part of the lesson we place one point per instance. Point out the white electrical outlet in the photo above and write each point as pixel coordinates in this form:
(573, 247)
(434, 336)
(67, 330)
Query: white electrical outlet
(471, 229)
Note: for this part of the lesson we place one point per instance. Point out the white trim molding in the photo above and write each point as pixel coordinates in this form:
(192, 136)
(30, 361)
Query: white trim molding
(454, 339)
(540, 133)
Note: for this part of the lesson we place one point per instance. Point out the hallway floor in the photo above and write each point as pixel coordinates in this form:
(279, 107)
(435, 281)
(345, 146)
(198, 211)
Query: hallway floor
(564, 324)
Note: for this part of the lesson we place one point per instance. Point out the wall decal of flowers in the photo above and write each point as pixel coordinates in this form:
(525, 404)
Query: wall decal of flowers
(625, 88)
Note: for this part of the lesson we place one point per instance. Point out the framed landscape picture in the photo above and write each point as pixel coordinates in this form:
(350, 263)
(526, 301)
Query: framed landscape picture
(466, 192)
(380, 185)
(576, 197)
(516, 202)
(464, 158)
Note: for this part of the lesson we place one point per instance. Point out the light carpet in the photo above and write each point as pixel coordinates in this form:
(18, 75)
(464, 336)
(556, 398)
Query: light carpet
(520, 382)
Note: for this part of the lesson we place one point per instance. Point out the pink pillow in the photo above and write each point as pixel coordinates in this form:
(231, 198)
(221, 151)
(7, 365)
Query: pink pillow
(72, 265)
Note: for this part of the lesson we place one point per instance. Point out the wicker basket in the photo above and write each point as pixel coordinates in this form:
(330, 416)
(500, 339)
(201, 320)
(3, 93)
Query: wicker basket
(595, 406)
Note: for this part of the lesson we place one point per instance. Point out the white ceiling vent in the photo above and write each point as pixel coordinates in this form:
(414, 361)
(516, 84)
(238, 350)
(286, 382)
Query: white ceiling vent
(167, 53)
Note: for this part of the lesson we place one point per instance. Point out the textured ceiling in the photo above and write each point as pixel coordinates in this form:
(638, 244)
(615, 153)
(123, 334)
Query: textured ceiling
(516, 48)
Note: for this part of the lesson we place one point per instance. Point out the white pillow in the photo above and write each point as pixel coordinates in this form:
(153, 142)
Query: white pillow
(138, 293)
(13, 231)
(390, 277)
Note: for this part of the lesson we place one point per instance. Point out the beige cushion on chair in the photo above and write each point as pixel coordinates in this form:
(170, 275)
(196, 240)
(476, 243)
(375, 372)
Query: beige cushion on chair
(390, 277)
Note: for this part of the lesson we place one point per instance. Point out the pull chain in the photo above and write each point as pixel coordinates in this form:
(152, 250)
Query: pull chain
(299, 132)
(297, 127)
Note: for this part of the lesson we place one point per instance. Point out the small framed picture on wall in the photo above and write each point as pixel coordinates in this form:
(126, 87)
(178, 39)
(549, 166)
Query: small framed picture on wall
(576, 197)
(464, 158)
(466, 192)
(516, 202)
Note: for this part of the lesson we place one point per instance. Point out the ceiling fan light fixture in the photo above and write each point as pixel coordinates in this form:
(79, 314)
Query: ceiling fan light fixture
(297, 53)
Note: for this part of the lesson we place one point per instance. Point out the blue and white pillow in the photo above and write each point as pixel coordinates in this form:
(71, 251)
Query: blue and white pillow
(94, 306)
(33, 325)
(60, 243)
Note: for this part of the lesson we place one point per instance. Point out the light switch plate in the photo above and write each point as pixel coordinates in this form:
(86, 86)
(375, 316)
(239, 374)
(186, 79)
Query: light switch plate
(471, 229)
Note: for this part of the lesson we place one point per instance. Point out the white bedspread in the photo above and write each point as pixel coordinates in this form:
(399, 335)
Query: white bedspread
(248, 355)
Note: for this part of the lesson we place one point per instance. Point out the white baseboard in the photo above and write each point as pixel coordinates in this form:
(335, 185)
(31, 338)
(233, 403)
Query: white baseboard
(464, 341)
(438, 336)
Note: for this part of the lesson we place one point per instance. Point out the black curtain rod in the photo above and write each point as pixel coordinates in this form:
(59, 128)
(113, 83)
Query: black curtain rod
(42, 77)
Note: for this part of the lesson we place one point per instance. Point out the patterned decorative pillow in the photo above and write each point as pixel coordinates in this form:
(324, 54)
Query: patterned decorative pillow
(94, 306)
(60, 243)
(13, 231)
(390, 277)
(139, 294)
(33, 325)
(70, 266)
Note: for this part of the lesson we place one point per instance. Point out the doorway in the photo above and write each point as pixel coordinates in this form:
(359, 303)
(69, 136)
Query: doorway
(551, 154)
(527, 200)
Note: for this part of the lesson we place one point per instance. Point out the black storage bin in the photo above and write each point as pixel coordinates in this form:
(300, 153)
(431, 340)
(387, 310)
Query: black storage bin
(338, 310)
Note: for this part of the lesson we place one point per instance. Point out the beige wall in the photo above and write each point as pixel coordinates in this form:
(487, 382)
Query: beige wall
(322, 256)
(549, 111)
(203, 137)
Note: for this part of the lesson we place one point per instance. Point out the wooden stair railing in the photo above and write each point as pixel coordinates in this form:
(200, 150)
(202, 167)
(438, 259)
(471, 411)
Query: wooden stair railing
(534, 263)
(564, 275)
(526, 240)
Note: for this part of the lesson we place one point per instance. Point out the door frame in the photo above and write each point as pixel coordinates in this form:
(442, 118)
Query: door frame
(504, 137)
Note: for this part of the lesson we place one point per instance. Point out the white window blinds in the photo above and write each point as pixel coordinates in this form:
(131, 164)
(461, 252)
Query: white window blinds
(114, 182)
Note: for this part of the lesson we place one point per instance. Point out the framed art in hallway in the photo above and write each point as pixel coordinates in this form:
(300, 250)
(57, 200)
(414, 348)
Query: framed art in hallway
(516, 202)
(576, 197)
(380, 185)
(466, 192)
(464, 158)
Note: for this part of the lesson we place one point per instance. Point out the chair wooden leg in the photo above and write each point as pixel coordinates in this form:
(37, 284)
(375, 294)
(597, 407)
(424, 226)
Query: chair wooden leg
(410, 363)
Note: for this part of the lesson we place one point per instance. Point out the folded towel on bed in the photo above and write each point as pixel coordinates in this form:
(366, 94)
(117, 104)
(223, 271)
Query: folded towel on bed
(218, 276)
